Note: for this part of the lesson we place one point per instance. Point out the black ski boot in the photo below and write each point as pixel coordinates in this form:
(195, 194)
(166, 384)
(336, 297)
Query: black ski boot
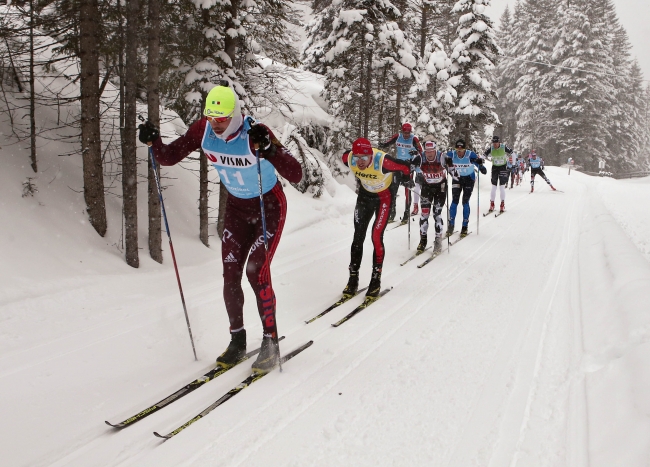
(450, 230)
(463, 232)
(423, 244)
(375, 283)
(353, 284)
(268, 357)
(235, 351)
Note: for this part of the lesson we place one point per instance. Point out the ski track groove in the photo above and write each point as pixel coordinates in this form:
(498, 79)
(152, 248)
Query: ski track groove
(542, 342)
(504, 363)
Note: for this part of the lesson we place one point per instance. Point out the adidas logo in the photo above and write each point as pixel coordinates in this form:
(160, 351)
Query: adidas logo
(230, 258)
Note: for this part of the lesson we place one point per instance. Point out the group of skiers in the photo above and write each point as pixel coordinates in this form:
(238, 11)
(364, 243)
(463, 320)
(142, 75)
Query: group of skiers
(246, 155)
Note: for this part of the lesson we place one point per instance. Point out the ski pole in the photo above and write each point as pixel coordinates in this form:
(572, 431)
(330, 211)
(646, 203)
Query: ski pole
(408, 216)
(478, 199)
(171, 246)
(447, 193)
(266, 252)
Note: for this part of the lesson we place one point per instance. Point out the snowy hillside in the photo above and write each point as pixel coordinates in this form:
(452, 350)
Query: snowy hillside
(527, 345)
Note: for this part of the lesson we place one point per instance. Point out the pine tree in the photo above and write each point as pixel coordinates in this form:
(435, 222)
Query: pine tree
(581, 91)
(473, 55)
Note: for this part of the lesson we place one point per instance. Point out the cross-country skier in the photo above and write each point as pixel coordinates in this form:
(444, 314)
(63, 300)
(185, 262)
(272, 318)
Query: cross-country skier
(230, 140)
(537, 168)
(375, 171)
(431, 176)
(514, 170)
(500, 171)
(407, 146)
(460, 163)
(522, 169)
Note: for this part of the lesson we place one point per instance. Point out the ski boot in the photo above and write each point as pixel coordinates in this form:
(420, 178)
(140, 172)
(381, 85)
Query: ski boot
(532, 188)
(463, 232)
(375, 283)
(268, 358)
(353, 284)
(491, 206)
(235, 351)
(553, 188)
(423, 244)
(502, 208)
(415, 210)
(405, 219)
(450, 230)
(437, 245)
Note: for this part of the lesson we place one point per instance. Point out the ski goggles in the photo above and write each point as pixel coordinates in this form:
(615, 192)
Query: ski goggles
(364, 158)
(219, 119)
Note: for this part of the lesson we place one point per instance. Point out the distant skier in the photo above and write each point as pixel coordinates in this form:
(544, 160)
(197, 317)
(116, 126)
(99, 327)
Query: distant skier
(537, 168)
(500, 171)
(514, 170)
(522, 169)
(375, 171)
(431, 174)
(408, 146)
(229, 140)
(460, 163)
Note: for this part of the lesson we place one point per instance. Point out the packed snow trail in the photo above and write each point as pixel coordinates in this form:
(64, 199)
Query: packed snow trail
(527, 345)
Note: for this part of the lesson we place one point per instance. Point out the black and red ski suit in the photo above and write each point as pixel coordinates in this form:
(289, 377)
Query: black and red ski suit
(377, 204)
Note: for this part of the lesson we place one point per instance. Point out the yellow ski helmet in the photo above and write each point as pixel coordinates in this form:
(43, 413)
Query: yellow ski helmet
(220, 102)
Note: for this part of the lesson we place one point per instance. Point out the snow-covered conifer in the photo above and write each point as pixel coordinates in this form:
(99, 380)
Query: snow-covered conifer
(473, 56)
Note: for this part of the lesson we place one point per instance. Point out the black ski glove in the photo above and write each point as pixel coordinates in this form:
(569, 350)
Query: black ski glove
(148, 132)
(260, 137)
(483, 169)
(409, 184)
(414, 152)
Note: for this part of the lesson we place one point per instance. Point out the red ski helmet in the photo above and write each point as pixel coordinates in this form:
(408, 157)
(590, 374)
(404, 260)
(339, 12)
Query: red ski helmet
(407, 128)
(429, 145)
(362, 147)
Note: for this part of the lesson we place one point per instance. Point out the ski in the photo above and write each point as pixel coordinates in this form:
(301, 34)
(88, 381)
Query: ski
(416, 255)
(499, 213)
(431, 258)
(233, 392)
(184, 391)
(399, 225)
(488, 213)
(366, 303)
(340, 302)
(459, 239)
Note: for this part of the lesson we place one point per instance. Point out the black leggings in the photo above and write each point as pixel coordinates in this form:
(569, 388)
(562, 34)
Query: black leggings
(540, 172)
(435, 193)
(500, 174)
(368, 206)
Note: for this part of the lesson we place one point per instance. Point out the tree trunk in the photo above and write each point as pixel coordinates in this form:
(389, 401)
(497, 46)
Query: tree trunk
(398, 106)
(366, 98)
(91, 150)
(32, 94)
(153, 103)
(230, 47)
(203, 199)
(129, 161)
(423, 29)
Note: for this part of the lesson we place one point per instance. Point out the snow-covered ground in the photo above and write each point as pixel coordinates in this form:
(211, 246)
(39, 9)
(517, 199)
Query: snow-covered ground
(527, 345)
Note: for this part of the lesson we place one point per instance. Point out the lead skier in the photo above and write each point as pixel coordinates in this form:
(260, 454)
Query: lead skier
(230, 140)
(375, 171)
